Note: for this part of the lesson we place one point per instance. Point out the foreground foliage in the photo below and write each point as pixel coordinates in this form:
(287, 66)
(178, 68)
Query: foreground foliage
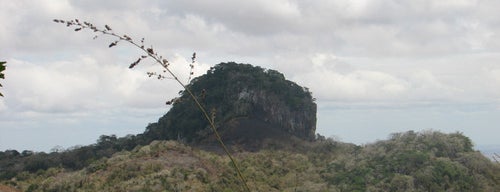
(2, 76)
(428, 161)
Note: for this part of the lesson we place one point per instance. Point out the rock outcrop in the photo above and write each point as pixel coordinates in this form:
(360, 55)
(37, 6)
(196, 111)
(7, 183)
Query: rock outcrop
(249, 104)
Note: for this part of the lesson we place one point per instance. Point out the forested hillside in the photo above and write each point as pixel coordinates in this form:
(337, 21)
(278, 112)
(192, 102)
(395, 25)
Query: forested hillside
(426, 161)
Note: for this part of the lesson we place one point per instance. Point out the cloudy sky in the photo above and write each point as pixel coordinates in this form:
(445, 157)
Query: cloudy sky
(375, 67)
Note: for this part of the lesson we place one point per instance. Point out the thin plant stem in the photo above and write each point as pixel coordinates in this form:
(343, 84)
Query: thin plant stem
(165, 64)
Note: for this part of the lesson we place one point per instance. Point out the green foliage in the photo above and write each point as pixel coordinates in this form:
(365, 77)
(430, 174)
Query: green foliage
(406, 162)
(13, 162)
(2, 76)
(427, 161)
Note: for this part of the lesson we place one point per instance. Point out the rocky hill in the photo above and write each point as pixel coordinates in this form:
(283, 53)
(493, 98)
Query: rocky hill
(250, 104)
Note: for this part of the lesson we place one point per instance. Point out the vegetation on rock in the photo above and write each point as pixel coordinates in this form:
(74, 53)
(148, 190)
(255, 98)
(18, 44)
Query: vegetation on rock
(239, 96)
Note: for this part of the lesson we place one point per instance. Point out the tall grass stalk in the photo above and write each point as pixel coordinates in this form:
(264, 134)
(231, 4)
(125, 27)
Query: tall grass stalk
(150, 52)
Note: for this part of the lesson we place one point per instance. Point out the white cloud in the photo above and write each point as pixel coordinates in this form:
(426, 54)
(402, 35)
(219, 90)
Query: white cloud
(3, 107)
(342, 79)
(494, 74)
(493, 83)
(44, 88)
(328, 83)
(368, 52)
(428, 87)
(84, 84)
(321, 59)
(453, 4)
(248, 17)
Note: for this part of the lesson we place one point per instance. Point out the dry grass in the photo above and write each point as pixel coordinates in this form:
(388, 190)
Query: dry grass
(5, 188)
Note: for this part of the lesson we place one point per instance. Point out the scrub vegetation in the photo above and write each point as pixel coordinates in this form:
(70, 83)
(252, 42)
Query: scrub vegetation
(410, 161)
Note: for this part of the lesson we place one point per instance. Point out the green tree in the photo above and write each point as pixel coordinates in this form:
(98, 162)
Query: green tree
(2, 76)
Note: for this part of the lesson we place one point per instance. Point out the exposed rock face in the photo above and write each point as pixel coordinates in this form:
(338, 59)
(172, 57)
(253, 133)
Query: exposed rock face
(273, 109)
(250, 104)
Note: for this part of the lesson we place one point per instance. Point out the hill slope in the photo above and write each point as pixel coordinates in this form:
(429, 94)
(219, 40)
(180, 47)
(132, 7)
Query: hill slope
(428, 161)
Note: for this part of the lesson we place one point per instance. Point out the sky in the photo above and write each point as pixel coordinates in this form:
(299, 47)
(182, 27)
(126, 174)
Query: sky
(375, 66)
